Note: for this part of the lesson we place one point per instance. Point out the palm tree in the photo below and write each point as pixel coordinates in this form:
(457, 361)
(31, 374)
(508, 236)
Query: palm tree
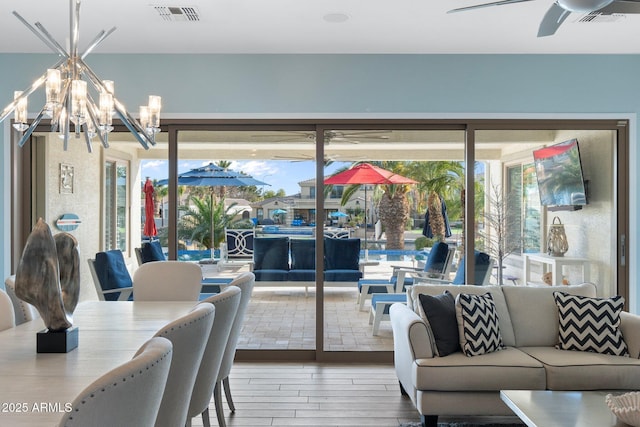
(196, 220)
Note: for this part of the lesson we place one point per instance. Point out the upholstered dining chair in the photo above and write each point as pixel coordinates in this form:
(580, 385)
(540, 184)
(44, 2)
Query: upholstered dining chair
(245, 282)
(189, 335)
(226, 304)
(128, 395)
(167, 281)
(7, 316)
(24, 312)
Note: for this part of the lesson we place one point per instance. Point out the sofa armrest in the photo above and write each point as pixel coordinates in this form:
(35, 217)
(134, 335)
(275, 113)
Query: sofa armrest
(411, 335)
(630, 327)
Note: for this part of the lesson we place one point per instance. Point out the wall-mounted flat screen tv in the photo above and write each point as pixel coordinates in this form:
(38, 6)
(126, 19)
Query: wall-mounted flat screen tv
(559, 174)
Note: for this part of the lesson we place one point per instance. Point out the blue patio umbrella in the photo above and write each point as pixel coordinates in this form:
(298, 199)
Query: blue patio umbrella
(278, 212)
(338, 214)
(212, 176)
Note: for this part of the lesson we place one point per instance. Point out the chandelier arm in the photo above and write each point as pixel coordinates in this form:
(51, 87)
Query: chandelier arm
(74, 27)
(29, 131)
(52, 42)
(40, 36)
(99, 39)
(25, 93)
(85, 128)
(55, 118)
(132, 124)
(67, 126)
(92, 115)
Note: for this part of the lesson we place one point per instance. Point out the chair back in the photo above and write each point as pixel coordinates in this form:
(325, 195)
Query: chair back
(337, 234)
(437, 259)
(245, 282)
(110, 273)
(239, 243)
(128, 395)
(483, 266)
(149, 252)
(24, 312)
(226, 304)
(7, 315)
(189, 335)
(167, 281)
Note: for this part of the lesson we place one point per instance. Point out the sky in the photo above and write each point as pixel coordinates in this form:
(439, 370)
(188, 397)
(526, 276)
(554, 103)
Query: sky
(279, 174)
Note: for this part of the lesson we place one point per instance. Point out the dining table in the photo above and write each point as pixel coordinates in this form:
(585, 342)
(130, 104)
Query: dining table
(37, 388)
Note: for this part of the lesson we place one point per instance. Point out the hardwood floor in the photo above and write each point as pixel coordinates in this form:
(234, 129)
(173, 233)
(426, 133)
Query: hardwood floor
(314, 394)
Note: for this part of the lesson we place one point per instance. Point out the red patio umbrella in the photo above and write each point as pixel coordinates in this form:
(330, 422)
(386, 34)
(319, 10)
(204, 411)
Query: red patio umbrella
(149, 220)
(366, 173)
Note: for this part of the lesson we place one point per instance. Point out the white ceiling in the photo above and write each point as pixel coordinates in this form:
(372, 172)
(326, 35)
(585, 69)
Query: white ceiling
(297, 26)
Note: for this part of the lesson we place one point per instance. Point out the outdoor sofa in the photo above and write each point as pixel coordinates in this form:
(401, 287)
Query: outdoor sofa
(283, 261)
(529, 327)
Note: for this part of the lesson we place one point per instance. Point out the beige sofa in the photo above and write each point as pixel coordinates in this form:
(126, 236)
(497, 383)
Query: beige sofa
(457, 385)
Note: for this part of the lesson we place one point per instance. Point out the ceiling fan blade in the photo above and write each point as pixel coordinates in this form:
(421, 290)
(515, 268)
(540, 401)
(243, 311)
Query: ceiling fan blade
(552, 20)
(480, 6)
(621, 6)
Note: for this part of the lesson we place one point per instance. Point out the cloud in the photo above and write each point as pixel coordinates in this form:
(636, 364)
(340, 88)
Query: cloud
(256, 168)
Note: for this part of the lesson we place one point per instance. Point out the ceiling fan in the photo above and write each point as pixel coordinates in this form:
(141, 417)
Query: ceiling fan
(353, 137)
(561, 9)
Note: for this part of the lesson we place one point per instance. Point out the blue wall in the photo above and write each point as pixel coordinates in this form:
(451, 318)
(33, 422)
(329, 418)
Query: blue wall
(426, 85)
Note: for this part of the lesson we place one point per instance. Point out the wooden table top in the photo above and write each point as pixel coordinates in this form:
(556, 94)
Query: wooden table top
(35, 388)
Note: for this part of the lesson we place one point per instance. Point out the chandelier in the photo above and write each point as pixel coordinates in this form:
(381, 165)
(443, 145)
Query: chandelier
(69, 102)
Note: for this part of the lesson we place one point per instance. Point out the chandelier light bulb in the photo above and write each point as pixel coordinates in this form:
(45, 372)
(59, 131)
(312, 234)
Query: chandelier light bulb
(20, 113)
(155, 104)
(53, 86)
(78, 101)
(144, 116)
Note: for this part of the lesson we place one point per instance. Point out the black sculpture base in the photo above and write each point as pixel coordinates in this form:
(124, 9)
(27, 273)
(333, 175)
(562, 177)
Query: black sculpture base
(57, 342)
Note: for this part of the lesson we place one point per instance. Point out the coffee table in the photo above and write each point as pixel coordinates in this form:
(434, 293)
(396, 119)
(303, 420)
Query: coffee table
(541, 408)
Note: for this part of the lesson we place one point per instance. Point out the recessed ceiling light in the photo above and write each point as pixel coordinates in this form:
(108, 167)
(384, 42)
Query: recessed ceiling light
(336, 18)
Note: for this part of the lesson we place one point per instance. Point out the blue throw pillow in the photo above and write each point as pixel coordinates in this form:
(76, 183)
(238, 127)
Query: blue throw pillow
(112, 272)
(152, 251)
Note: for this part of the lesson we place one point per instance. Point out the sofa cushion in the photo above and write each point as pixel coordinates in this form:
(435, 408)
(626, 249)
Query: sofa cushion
(509, 369)
(341, 254)
(529, 302)
(302, 275)
(303, 254)
(342, 275)
(271, 275)
(590, 324)
(478, 324)
(583, 370)
(440, 315)
(506, 330)
(271, 253)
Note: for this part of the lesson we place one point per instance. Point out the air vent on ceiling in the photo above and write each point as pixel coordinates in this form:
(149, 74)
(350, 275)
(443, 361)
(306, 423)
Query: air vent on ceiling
(601, 17)
(178, 13)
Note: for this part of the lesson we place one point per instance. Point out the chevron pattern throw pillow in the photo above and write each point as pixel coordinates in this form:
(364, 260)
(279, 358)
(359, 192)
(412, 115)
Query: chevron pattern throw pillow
(590, 324)
(478, 324)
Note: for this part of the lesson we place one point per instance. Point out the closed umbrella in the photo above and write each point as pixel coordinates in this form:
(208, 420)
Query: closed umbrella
(214, 176)
(366, 173)
(149, 220)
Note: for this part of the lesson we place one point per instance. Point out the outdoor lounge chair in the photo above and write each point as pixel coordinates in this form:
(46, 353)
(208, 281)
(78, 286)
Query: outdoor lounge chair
(437, 265)
(111, 276)
(482, 275)
(238, 248)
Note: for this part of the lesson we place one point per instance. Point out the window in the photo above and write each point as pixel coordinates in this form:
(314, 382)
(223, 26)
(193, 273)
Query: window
(116, 227)
(523, 204)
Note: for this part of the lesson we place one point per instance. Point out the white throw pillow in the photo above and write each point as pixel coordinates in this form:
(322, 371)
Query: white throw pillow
(590, 324)
(478, 325)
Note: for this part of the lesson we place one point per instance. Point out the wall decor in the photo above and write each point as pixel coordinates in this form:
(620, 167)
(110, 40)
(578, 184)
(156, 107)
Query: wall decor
(66, 178)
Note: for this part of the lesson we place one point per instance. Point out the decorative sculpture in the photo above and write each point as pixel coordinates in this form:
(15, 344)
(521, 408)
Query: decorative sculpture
(557, 244)
(48, 276)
